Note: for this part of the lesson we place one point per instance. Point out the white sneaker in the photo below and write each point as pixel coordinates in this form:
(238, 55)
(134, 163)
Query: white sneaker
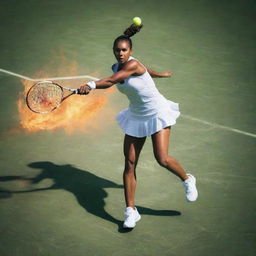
(190, 188)
(131, 216)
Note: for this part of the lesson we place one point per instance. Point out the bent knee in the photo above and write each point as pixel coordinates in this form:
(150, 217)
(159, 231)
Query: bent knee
(164, 160)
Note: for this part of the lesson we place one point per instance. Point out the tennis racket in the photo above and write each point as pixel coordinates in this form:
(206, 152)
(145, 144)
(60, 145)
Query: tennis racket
(45, 96)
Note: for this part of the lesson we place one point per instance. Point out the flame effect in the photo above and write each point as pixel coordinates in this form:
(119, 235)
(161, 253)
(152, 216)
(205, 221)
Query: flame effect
(77, 113)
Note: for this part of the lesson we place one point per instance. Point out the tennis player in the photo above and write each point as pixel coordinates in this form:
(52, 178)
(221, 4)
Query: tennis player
(149, 114)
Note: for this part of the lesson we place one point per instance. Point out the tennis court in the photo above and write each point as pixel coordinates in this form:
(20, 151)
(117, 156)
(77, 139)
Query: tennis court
(61, 176)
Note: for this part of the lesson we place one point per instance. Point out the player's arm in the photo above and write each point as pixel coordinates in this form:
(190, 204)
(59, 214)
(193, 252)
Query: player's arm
(116, 77)
(159, 74)
(129, 69)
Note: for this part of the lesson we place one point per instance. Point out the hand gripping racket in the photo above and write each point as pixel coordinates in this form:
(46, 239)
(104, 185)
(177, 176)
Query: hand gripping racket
(43, 97)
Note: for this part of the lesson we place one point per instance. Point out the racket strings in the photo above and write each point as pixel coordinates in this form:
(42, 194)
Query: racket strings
(44, 97)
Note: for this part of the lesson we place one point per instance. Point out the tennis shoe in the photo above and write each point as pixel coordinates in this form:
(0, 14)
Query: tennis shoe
(131, 216)
(190, 188)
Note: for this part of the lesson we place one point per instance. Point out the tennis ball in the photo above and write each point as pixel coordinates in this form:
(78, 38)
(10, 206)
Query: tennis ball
(136, 21)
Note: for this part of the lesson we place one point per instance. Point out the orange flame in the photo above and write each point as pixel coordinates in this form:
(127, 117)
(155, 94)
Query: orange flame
(77, 113)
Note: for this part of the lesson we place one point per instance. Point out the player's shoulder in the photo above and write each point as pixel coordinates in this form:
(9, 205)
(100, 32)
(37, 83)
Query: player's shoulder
(132, 64)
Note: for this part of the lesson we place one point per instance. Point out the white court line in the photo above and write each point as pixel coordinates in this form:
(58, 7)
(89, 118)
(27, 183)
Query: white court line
(17, 75)
(67, 78)
(219, 126)
(95, 78)
(48, 78)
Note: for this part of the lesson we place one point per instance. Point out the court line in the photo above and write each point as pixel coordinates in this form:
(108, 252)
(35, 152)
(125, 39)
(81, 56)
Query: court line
(219, 126)
(67, 78)
(95, 78)
(17, 75)
(48, 78)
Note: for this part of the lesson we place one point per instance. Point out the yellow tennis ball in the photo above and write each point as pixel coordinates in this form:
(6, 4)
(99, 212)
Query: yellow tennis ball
(136, 21)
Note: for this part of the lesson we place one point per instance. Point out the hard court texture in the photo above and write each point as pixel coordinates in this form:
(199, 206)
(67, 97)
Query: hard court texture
(61, 190)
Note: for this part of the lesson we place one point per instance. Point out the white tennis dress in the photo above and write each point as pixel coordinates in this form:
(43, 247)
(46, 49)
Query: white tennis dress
(149, 111)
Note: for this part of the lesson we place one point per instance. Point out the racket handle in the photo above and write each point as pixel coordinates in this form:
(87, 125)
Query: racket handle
(77, 91)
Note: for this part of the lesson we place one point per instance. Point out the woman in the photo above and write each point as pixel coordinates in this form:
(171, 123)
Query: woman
(148, 114)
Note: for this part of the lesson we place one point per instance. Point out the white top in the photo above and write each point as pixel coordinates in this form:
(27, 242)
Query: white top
(149, 111)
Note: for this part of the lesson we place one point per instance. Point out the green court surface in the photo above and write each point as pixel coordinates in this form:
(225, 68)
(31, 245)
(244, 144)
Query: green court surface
(61, 190)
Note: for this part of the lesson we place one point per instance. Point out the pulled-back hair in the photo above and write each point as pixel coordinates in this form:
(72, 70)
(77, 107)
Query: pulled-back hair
(129, 32)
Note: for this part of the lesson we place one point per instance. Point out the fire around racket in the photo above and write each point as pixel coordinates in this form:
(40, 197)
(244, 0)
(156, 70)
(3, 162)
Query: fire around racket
(43, 97)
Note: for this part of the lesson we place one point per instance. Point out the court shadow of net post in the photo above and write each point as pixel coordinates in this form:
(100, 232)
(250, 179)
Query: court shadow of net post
(88, 189)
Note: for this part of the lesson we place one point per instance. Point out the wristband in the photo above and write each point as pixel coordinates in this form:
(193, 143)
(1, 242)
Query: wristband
(91, 84)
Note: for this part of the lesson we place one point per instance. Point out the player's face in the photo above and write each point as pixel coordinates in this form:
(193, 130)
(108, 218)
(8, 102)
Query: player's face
(122, 51)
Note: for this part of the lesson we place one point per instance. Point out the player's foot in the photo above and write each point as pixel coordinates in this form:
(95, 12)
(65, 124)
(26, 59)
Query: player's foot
(190, 188)
(131, 216)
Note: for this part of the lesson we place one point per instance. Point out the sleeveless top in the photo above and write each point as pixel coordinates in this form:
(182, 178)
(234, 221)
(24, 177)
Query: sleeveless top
(149, 111)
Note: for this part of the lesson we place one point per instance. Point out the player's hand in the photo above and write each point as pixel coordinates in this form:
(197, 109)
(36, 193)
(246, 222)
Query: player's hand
(84, 89)
(167, 73)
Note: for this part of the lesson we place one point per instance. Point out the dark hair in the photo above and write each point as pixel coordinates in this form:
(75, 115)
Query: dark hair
(129, 32)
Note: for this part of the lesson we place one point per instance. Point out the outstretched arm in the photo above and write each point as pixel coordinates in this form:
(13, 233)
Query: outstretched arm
(129, 69)
(159, 74)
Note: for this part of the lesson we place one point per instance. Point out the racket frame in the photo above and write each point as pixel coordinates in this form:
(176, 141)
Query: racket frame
(73, 91)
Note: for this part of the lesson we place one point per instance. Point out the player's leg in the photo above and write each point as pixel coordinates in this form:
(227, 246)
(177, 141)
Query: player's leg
(160, 142)
(132, 149)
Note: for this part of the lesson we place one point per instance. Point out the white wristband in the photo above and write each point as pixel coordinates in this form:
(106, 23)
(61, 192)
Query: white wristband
(91, 84)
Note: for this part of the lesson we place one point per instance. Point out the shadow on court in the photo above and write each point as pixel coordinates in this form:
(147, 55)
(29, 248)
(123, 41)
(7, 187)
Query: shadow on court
(87, 188)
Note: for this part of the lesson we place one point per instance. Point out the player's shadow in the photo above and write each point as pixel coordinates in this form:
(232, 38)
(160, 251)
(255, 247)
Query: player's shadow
(87, 188)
